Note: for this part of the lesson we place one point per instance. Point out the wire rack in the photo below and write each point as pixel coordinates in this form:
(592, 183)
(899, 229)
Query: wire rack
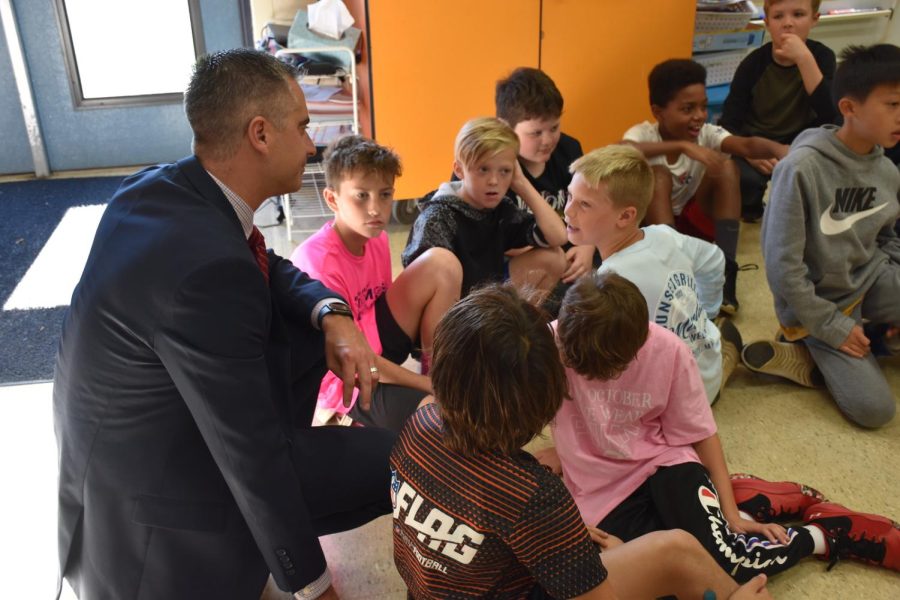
(305, 210)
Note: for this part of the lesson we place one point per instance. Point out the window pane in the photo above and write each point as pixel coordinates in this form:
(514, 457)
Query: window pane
(131, 47)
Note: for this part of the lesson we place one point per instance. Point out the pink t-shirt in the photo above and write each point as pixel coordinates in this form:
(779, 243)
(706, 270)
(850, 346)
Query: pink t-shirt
(612, 435)
(359, 279)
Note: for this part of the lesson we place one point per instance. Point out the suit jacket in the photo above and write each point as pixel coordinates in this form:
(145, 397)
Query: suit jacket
(172, 401)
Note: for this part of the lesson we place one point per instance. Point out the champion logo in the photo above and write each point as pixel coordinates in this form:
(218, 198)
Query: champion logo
(858, 201)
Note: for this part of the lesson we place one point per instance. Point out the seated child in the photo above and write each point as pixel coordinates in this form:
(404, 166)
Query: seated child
(697, 185)
(351, 255)
(779, 90)
(529, 102)
(475, 220)
(639, 452)
(680, 276)
(832, 254)
(477, 517)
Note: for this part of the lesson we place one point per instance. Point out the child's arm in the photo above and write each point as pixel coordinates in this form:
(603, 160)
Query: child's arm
(389, 372)
(784, 245)
(551, 226)
(712, 159)
(713, 458)
(794, 49)
(754, 147)
(708, 263)
(549, 458)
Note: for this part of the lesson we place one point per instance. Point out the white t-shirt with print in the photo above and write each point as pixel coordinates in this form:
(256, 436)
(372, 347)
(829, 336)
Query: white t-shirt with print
(686, 172)
(681, 278)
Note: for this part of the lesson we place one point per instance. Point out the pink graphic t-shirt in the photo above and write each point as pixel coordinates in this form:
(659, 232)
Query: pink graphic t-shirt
(612, 435)
(359, 279)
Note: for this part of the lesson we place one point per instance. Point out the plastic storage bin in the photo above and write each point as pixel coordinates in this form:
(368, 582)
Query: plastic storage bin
(720, 66)
(719, 41)
(708, 21)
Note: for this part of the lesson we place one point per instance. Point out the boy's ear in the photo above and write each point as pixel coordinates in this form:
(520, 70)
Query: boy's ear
(655, 109)
(847, 106)
(628, 216)
(330, 198)
(458, 170)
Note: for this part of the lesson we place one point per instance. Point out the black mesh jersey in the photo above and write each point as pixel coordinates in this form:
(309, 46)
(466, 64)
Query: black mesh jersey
(484, 526)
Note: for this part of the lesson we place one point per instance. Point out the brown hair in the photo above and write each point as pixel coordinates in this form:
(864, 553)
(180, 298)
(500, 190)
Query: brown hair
(527, 93)
(813, 4)
(624, 170)
(482, 138)
(227, 90)
(496, 371)
(356, 154)
(603, 322)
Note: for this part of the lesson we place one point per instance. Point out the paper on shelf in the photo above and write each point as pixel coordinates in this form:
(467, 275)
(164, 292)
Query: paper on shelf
(329, 18)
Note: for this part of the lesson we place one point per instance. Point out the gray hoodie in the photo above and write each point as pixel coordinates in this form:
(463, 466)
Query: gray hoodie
(828, 231)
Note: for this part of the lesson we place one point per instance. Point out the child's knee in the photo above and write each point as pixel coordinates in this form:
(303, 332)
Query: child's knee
(662, 181)
(443, 264)
(875, 414)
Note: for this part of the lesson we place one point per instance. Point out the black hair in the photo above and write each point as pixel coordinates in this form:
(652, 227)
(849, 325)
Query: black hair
(863, 68)
(671, 76)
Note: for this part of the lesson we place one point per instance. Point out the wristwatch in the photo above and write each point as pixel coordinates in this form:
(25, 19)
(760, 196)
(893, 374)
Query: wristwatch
(333, 308)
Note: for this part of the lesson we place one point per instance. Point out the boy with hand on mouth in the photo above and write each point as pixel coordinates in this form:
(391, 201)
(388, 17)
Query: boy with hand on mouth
(697, 187)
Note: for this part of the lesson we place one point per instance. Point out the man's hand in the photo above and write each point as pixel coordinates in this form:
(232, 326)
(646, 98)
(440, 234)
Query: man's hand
(856, 344)
(792, 49)
(349, 356)
(579, 259)
(763, 165)
(712, 159)
(548, 457)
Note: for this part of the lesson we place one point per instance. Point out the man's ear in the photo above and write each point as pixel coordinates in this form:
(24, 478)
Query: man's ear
(257, 133)
(330, 196)
(458, 169)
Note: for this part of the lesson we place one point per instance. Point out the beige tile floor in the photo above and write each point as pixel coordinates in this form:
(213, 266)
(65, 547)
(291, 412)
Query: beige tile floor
(773, 429)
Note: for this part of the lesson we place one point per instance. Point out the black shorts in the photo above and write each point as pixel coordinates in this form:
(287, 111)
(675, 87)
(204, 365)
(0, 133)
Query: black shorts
(395, 344)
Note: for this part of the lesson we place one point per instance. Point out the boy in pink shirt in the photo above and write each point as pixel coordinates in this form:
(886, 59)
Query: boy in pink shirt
(637, 447)
(351, 255)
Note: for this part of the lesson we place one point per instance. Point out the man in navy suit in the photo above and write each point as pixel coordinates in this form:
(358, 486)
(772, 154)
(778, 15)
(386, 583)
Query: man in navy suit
(188, 370)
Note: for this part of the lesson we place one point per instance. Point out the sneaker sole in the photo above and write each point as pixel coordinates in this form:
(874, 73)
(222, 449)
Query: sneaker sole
(791, 361)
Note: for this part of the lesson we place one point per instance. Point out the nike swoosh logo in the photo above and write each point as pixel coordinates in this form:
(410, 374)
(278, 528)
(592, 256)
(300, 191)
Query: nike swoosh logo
(831, 226)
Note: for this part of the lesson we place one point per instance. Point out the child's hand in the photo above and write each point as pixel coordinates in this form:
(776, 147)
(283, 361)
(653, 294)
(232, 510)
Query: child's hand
(856, 344)
(712, 159)
(792, 49)
(549, 458)
(754, 589)
(763, 165)
(580, 259)
(519, 181)
(773, 531)
(604, 539)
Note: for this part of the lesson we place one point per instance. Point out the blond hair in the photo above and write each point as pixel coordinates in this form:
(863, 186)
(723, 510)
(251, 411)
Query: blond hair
(483, 138)
(624, 170)
(813, 5)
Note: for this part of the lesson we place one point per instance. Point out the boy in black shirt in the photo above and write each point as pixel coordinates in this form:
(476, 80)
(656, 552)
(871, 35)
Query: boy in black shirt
(778, 91)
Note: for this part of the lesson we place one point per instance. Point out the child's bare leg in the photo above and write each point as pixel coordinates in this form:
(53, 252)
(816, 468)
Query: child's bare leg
(423, 292)
(666, 563)
(539, 268)
(719, 196)
(659, 212)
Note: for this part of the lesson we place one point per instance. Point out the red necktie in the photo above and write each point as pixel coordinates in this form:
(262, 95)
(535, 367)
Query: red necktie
(258, 245)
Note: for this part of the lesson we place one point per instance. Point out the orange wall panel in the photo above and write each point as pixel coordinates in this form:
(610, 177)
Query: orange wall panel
(599, 53)
(434, 66)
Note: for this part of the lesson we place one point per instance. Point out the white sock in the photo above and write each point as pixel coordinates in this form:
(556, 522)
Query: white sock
(820, 546)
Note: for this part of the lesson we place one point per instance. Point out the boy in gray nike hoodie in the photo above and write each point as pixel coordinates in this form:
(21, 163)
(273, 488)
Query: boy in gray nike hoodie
(831, 253)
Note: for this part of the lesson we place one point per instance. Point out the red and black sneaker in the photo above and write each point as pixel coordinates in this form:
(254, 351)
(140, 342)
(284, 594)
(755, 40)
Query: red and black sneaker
(768, 501)
(868, 538)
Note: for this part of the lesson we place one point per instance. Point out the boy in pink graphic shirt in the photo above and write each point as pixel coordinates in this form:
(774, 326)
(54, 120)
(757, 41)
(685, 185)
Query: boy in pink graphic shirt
(637, 447)
(351, 255)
